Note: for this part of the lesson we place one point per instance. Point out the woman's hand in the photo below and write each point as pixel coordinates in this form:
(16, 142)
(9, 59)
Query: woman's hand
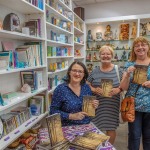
(77, 116)
(146, 84)
(115, 91)
(98, 91)
(95, 103)
(130, 70)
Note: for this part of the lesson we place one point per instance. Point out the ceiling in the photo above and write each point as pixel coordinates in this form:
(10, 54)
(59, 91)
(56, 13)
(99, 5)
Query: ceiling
(88, 2)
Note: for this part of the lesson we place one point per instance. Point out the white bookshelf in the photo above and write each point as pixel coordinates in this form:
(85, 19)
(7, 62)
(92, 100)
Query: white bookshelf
(21, 6)
(20, 98)
(54, 27)
(18, 36)
(10, 79)
(50, 26)
(12, 136)
(57, 14)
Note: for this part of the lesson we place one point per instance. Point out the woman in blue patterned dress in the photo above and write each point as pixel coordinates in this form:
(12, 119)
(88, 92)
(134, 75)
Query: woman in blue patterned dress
(140, 54)
(68, 97)
(107, 114)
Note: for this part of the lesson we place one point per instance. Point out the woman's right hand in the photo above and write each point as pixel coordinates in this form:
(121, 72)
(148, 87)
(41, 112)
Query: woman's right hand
(98, 91)
(130, 70)
(77, 116)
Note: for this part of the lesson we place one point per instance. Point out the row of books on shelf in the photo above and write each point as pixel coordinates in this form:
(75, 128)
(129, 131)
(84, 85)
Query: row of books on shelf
(58, 51)
(28, 55)
(58, 7)
(34, 26)
(59, 37)
(20, 114)
(58, 66)
(37, 3)
(61, 23)
(33, 78)
(54, 81)
(78, 39)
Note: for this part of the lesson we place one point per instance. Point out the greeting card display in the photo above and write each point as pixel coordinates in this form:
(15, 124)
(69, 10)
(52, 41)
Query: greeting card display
(140, 74)
(107, 85)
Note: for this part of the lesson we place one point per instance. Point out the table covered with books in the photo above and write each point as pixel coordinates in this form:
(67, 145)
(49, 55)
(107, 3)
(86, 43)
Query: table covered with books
(71, 133)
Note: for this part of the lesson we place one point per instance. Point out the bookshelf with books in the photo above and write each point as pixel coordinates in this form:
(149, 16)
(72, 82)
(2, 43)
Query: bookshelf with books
(60, 47)
(79, 39)
(22, 63)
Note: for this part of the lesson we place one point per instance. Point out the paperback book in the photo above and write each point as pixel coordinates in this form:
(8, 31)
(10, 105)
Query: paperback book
(107, 85)
(140, 74)
(55, 130)
(88, 106)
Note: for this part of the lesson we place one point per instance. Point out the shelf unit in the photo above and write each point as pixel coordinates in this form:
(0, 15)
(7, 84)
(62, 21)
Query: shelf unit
(120, 46)
(79, 39)
(10, 79)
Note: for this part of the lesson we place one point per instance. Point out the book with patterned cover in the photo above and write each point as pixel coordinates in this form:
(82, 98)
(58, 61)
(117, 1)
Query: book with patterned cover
(107, 85)
(55, 129)
(96, 136)
(81, 142)
(87, 105)
(140, 74)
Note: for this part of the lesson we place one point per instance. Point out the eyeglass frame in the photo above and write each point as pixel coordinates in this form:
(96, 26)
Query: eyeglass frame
(142, 45)
(77, 71)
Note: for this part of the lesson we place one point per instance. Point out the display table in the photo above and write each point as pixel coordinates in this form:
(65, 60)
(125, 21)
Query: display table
(70, 132)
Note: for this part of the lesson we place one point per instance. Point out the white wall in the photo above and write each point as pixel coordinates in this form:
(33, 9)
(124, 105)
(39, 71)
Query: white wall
(117, 8)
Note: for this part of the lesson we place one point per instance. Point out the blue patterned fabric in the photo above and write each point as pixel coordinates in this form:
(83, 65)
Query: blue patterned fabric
(65, 101)
(142, 100)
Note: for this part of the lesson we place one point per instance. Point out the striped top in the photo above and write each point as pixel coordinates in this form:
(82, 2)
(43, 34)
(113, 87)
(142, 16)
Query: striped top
(107, 114)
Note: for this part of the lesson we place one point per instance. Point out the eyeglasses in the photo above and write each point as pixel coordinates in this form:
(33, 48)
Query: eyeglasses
(142, 45)
(77, 71)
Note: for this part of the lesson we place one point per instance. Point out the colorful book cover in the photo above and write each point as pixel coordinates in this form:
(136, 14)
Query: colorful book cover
(140, 74)
(88, 106)
(107, 85)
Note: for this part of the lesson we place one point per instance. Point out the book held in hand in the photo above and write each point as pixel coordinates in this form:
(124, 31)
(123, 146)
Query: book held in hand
(140, 74)
(87, 105)
(107, 85)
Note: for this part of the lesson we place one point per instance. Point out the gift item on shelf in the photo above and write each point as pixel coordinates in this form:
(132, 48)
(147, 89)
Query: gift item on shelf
(134, 30)
(99, 36)
(108, 35)
(11, 22)
(143, 29)
(124, 31)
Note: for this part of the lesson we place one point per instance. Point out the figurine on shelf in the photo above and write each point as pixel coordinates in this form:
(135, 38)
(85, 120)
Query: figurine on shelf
(98, 36)
(143, 31)
(26, 88)
(124, 57)
(108, 35)
(89, 36)
(116, 57)
(134, 30)
(98, 47)
(124, 31)
(89, 68)
(95, 57)
(116, 35)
